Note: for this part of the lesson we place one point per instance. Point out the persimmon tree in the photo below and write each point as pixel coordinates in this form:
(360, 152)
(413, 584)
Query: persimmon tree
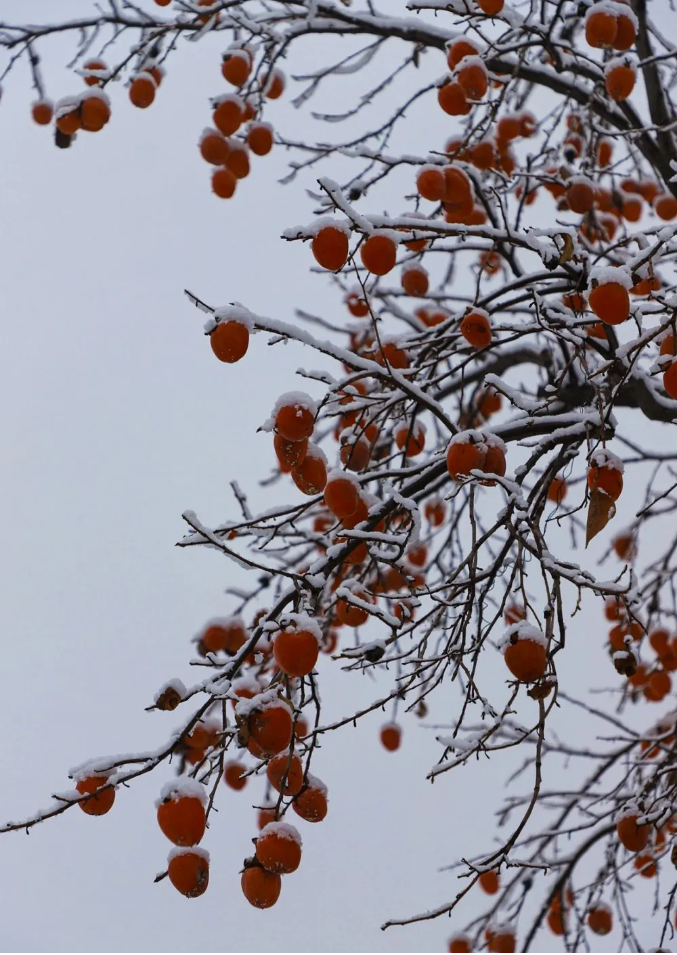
(484, 376)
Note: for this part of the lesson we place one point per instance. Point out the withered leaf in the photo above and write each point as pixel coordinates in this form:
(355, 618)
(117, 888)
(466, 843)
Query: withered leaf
(600, 511)
(568, 250)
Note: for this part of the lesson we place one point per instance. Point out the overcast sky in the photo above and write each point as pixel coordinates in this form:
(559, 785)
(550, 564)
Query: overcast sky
(117, 417)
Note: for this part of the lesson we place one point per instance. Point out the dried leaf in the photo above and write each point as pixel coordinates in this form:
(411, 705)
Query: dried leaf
(600, 511)
(540, 691)
(568, 250)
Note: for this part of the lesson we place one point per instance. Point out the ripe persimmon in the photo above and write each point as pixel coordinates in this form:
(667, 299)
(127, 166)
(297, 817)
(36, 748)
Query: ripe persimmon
(42, 112)
(230, 341)
(357, 306)
(378, 254)
(289, 453)
(619, 80)
(142, 90)
(341, 495)
(294, 416)
(350, 615)
(237, 160)
(458, 49)
(599, 919)
(214, 147)
(665, 206)
(188, 871)
(610, 302)
(430, 183)
(236, 67)
(260, 887)
(91, 67)
(288, 768)
(580, 195)
(270, 725)
(625, 32)
(260, 138)
(464, 456)
(494, 462)
(633, 836)
(275, 84)
(525, 654)
(452, 99)
(557, 490)
(223, 183)
(330, 247)
(310, 476)
(227, 115)
(490, 8)
(476, 328)
(311, 803)
(435, 511)
(601, 27)
(233, 775)
(410, 438)
(415, 280)
(391, 737)
(182, 816)
(296, 649)
(460, 943)
(100, 803)
(278, 848)
(607, 479)
(94, 113)
(490, 882)
(670, 379)
(471, 75)
(68, 119)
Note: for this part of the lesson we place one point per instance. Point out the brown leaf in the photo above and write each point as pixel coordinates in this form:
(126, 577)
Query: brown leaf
(568, 250)
(600, 511)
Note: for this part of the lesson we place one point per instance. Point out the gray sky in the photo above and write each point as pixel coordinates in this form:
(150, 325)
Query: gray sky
(117, 418)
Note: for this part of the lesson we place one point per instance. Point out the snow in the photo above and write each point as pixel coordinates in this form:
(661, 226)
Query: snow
(468, 437)
(228, 98)
(325, 222)
(234, 313)
(300, 621)
(603, 458)
(187, 851)
(283, 830)
(338, 474)
(267, 700)
(523, 631)
(315, 783)
(608, 274)
(182, 786)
